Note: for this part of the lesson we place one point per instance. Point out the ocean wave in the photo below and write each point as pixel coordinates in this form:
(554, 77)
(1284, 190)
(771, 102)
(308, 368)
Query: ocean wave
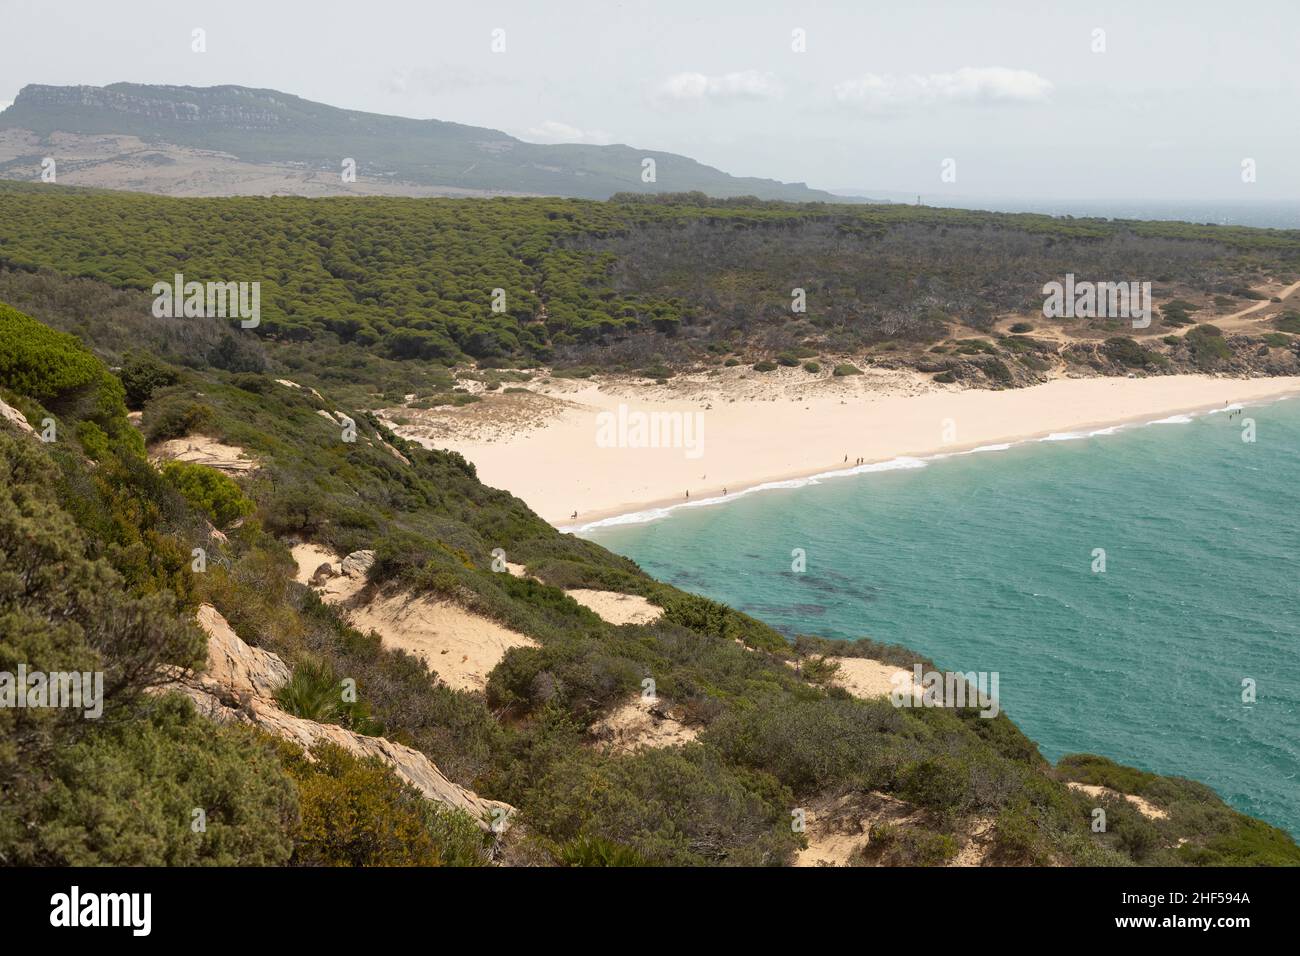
(653, 514)
(893, 464)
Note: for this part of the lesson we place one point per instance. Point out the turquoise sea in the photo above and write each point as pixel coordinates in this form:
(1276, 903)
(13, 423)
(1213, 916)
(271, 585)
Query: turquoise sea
(984, 562)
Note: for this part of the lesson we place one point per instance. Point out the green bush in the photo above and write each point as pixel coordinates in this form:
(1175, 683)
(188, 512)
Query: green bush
(893, 845)
(1288, 322)
(175, 416)
(315, 692)
(57, 371)
(41, 363)
(819, 670)
(764, 366)
(814, 744)
(1017, 841)
(216, 495)
(846, 369)
(118, 790)
(356, 812)
(1207, 346)
(1128, 352)
(594, 851)
(142, 375)
(730, 817)
(126, 794)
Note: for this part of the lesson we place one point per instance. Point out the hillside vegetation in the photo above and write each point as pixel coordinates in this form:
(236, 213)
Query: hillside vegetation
(96, 572)
(646, 282)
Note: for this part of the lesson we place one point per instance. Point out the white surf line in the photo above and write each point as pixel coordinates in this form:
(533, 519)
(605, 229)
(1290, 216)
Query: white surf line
(901, 463)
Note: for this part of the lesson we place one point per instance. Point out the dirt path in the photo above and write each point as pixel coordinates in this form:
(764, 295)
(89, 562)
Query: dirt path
(1236, 321)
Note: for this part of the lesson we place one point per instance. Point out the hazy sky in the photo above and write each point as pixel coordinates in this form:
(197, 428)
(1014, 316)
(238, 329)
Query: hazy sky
(884, 93)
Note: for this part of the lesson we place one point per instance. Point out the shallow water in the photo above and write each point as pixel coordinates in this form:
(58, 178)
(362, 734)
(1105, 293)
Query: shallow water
(984, 561)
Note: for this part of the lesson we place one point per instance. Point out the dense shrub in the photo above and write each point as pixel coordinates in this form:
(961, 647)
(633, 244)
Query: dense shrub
(721, 816)
(1128, 352)
(175, 416)
(218, 496)
(356, 812)
(892, 845)
(1207, 346)
(1289, 322)
(142, 375)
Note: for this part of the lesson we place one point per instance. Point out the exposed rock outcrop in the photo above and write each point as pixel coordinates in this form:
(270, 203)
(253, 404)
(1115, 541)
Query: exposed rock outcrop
(16, 418)
(203, 450)
(239, 685)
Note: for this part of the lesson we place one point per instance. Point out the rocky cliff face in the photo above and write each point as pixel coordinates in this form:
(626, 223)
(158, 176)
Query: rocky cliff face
(221, 106)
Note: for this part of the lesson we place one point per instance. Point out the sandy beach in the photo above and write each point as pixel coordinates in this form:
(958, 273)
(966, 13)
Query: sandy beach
(566, 446)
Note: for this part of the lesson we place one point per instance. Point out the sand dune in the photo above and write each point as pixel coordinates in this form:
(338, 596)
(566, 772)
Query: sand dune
(460, 646)
(864, 677)
(617, 608)
(641, 722)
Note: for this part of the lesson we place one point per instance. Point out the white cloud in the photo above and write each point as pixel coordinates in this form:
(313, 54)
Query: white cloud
(876, 92)
(5, 104)
(555, 132)
(745, 84)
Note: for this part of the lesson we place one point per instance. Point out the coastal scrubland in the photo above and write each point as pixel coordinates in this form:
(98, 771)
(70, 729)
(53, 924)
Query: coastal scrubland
(652, 285)
(97, 572)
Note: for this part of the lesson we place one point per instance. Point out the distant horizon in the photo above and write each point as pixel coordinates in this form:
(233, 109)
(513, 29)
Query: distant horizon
(998, 201)
(1034, 102)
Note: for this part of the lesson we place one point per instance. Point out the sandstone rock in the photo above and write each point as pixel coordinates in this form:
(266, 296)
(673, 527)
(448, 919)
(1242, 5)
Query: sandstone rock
(358, 564)
(240, 685)
(17, 418)
(233, 665)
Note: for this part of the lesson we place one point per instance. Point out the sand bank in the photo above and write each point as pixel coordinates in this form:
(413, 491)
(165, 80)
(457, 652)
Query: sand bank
(581, 446)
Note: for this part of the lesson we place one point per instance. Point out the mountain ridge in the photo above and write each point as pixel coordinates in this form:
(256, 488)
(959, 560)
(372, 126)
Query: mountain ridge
(269, 127)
